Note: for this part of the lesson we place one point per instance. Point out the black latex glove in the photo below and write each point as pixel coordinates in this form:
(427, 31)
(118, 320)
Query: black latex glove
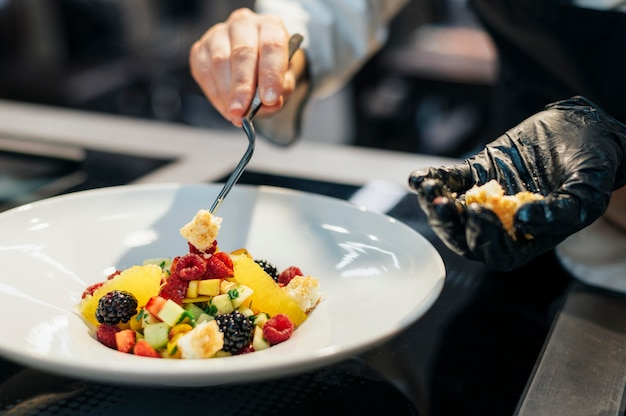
(573, 153)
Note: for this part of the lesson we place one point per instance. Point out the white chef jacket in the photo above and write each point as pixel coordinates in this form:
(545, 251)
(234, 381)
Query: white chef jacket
(339, 36)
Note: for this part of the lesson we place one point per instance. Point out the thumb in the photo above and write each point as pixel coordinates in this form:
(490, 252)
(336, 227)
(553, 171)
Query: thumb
(456, 178)
(556, 214)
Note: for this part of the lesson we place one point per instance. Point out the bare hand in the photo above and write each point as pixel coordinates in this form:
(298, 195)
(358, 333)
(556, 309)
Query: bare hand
(232, 57)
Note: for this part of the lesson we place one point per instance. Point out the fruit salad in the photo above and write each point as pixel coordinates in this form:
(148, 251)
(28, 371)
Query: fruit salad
(205, 303)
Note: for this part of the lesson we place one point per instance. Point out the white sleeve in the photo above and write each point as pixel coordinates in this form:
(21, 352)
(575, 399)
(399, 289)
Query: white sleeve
(339, 37)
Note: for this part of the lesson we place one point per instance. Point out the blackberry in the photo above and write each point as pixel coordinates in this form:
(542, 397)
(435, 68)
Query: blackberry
(115, 307)
(268, 267)
(238, 331)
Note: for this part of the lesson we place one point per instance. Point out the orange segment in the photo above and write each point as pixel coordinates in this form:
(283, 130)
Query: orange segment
(268, 296)
(241, 251)
(142, 281)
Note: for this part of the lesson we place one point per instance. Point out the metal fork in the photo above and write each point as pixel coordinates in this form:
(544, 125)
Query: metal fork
(248, 128)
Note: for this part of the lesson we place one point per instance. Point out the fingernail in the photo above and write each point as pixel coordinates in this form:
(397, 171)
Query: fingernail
(235, 106)
(270, 96)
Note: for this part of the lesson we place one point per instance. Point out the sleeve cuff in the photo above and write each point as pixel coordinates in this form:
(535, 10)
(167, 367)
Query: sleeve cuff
(284, 127)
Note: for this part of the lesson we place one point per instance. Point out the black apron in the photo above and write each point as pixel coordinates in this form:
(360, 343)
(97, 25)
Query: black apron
(549, 50)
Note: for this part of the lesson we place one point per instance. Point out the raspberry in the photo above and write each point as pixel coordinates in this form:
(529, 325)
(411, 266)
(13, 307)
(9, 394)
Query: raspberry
(238, 331)
(278, 329)
(174, 288)
(191, 267)
(91, 289)
(112, 275)
(219, 266)
(96, 286)
(269, 268)
(115, 307)
(289, 273)
(211, 250)
(106, 335)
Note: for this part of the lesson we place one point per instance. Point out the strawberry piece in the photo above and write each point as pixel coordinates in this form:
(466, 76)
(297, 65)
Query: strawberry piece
(289, 273)
(174, 264)
(154, 305)
(106, 335)
(278, 329)
(247, 350)
(225, 257)
(219, 266)
(125, 340)
(191, 267)
(143, 348)
(174, 288)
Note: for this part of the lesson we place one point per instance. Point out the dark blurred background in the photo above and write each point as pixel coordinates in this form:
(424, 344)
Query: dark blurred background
(427, 91)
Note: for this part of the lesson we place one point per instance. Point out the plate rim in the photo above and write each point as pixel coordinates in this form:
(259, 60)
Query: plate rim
(303, 362)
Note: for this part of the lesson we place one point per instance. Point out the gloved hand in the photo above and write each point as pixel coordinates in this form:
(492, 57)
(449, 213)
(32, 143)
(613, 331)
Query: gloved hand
(572, 152)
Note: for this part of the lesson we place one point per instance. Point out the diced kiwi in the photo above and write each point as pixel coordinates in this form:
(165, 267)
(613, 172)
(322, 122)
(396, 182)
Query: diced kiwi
(195, 310)
(157, 334)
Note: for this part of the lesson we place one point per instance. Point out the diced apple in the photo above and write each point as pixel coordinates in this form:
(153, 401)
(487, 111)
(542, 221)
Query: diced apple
(148, 318)
(258, 341)
(199, 299)
(142, 318)
(172, 313)
(157, 334)
(260, 319)
(192, 289)
(221, 304)
(239, 294)
(245, 311)
(226, 285)
(209, 287)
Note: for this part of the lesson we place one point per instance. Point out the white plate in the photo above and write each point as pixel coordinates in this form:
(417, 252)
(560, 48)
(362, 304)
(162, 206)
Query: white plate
(377, 276)
(596, 255)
